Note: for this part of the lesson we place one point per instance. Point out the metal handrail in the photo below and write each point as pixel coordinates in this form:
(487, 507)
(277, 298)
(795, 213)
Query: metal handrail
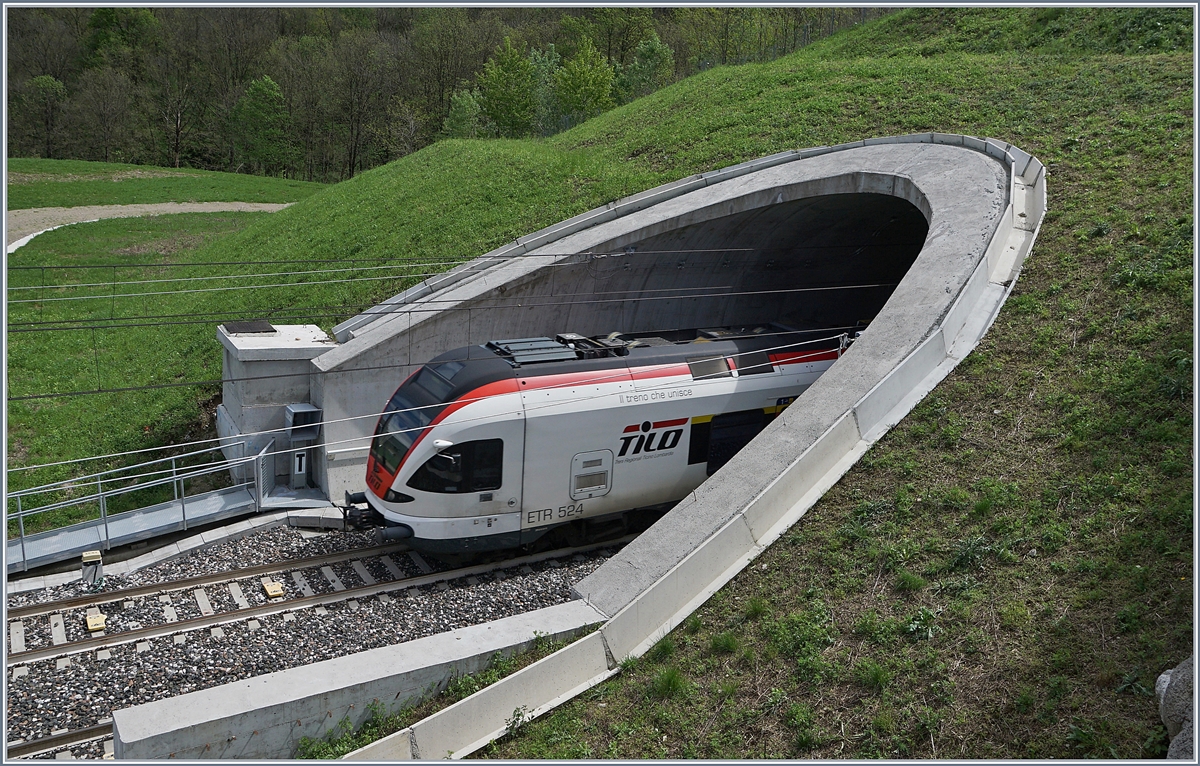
(176, 479)
(88, 477)
(125, 490)
(172, 472)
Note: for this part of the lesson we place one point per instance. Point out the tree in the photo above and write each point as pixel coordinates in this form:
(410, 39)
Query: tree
(234, 41)
(465, 119)
(548, 112)
(399, 132)
(446, 47)
(302, 68)
(103, 106)
(262, 120)
(584, 84)
(122, 38)
(48, 96)
(507, 91)
(179, 85)
(617, 31)
(41, 41)
(358, 76)
(652, 67)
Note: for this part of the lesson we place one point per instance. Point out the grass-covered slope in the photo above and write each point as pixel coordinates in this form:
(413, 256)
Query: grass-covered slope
(71, 183)
(1002, 575)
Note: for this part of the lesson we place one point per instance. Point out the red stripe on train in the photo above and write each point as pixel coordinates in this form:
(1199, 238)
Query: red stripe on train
(669, 423)
(659, 371)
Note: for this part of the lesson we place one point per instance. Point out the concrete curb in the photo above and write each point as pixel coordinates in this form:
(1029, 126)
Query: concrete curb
(266, 716)
(644, 614)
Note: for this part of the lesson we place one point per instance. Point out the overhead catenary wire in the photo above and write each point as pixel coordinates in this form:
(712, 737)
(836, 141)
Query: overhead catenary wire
(215, 277)
(605, 375)
(183, 384)
(397, 264)
(102, 390)
(388, 310)
(413, 259)
(426, 305)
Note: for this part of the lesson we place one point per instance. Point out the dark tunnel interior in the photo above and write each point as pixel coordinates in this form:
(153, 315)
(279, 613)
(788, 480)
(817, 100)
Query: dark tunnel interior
(815, 262)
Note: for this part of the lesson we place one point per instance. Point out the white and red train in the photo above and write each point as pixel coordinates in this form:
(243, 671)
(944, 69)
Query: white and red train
(493, 446)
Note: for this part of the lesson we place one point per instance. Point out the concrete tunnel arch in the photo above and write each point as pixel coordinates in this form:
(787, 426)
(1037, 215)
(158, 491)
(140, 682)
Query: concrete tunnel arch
(982, 202)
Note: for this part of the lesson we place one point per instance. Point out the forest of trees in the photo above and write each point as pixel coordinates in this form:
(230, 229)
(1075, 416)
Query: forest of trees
(322, 94)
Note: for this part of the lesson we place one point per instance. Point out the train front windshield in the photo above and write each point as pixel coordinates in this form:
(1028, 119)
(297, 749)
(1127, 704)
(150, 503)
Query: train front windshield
(414, 406)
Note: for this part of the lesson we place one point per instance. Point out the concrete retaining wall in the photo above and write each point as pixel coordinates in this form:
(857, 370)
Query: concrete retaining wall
(266, 716)
(936, 316)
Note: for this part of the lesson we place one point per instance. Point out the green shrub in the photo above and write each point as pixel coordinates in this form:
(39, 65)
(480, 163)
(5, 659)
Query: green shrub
(871, 674)
(662, 650)
(724, 643)
(668, 683)
(755, 608)
(908, 582)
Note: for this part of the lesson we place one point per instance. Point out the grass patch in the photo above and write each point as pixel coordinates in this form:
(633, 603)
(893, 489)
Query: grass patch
(1042, 491)
(668, 683)
(70, 183)
(724, 643)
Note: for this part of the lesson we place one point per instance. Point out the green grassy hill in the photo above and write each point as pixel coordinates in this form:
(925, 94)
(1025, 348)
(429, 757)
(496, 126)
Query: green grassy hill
(1007, 571)
(70, 183)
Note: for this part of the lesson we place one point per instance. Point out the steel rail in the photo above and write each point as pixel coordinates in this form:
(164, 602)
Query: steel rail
(287, 605)
(92, 599)
(55, 741)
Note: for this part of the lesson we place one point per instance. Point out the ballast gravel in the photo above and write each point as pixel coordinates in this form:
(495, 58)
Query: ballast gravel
(87, 690)
(266, 546)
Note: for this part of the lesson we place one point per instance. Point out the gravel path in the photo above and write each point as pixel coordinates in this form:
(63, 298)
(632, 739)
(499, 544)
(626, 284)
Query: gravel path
(88, 689)
(22, 223)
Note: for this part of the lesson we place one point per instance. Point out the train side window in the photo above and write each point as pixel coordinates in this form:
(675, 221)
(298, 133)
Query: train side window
(698, 443)
(729, 433)
(468, 467)
(754, 363)
(707, 368)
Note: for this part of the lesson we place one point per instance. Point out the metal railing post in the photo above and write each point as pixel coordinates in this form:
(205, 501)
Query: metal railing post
(21, 526)
(257, 485)
(183, 501)
(104, 514)
(174, 480)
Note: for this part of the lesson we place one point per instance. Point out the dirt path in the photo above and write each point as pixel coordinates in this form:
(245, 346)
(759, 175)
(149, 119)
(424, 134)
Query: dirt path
(24, 223)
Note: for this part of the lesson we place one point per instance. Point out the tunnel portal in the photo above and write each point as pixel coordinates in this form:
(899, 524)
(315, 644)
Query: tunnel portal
(828, 261)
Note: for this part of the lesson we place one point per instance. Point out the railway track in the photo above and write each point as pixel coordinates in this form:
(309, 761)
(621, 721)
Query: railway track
(63, 645)
(193, 602)
(59, 741)
(49, 607)
(66, 739)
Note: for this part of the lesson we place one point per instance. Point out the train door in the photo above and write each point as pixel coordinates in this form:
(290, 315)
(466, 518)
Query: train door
(571, 441)
(729, 432)
(479, 474)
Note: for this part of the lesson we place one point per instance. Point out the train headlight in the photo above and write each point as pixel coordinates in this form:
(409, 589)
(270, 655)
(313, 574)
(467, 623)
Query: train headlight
(392, 496)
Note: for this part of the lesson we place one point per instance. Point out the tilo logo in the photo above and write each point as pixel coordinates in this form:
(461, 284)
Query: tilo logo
(649, 432)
